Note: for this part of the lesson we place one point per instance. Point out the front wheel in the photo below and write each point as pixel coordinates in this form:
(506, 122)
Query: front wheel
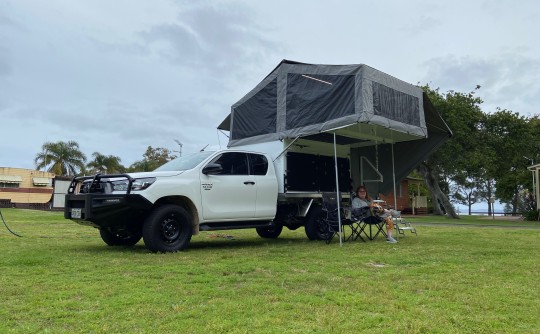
(113, 238)
(168, 229)
(271, 232)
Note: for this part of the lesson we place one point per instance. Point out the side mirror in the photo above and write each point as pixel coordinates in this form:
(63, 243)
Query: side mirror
(212, 169)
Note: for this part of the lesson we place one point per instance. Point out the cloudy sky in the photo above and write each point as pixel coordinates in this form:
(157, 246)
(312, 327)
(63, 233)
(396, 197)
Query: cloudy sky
(118, 76)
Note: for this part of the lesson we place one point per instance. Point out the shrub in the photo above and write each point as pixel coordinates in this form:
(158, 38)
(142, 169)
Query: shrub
(531, 215)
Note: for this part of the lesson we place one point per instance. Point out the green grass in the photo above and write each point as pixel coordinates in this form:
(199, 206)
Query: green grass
(61, 278)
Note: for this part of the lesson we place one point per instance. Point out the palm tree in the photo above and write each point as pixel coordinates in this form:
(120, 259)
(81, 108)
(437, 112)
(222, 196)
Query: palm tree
(61, 158)
(104, 164)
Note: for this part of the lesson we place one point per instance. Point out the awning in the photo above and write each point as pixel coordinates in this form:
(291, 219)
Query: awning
(41, 181)
(10, 178)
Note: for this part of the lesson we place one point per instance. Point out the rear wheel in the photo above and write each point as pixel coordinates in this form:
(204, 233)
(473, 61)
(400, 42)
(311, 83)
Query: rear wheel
(316, 229)
(113, 238)
(271, 232)
(168, 229)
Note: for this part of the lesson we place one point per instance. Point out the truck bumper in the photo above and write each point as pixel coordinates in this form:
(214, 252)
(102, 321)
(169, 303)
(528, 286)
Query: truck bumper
(106, 210)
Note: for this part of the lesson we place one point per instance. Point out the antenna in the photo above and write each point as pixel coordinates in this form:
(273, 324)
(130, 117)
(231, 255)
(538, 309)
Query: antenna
(179, 144)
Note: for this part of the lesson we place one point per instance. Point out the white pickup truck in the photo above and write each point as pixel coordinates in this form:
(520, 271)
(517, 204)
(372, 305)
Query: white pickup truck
(228, 189)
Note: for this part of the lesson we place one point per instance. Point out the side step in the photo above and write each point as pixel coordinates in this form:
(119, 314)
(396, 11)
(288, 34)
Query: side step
(234, 225)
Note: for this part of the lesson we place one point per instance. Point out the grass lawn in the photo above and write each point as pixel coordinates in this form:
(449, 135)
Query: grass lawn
(61, 278)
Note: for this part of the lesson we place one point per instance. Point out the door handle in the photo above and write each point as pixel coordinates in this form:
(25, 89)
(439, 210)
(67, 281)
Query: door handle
(249, 182)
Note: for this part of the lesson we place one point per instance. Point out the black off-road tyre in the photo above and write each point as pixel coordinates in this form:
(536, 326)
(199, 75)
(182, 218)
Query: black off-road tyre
(119, 238)
(315, 227)
(167, 229)
(271, 232)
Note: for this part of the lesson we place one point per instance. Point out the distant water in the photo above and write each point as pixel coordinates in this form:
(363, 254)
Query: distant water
(480, 212)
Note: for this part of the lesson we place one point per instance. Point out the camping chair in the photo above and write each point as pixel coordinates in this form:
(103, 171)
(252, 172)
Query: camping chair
(375, 223)
(401, 225)
(358, 215)
(331, 218)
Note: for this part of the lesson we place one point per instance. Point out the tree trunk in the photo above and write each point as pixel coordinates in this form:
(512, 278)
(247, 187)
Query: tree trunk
(436, 193)
(488, 197)
(515, 201)
(435, 201)
(469, 201)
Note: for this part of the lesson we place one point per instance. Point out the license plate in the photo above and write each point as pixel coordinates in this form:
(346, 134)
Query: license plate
(76, 213)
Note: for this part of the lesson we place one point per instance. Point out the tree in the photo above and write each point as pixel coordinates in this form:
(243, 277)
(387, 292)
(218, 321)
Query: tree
(486, 157)
(466, 192)
(61, 158)
(141, 166)
(105, 164)
(532, 157)
(152, 159)
(459, 154)
(515, 140)
(438, 197)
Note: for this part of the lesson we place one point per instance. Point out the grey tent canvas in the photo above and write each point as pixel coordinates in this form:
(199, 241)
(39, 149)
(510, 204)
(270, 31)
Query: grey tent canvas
(372, 113)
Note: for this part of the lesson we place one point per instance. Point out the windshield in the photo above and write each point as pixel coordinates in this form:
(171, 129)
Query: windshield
(184, 163)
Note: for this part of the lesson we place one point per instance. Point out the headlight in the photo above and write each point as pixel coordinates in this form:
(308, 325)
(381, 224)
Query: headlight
(120, 186)
(141, 184)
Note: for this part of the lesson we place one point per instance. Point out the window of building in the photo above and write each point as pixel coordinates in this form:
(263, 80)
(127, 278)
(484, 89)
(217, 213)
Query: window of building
(8, 185)
(41, 181)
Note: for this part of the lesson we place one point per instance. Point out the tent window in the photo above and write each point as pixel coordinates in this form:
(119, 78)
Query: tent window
(257, 115)
(395, 105)
(313, 98)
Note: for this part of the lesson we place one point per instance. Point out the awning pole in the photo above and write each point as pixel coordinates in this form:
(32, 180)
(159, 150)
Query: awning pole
(394, 178)
(286, 148)
(338, 194)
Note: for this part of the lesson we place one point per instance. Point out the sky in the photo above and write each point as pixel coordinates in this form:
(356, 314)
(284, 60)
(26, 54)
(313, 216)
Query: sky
(119, 76)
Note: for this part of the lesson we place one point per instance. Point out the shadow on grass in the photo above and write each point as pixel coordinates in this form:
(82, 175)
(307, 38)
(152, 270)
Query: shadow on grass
(251, 242)
(214, 243)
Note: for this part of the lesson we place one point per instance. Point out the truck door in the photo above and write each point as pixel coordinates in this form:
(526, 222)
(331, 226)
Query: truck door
(267, 186)
(230, 194)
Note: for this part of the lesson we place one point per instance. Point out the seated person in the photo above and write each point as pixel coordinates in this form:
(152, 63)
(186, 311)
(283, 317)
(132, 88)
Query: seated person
(362, 200)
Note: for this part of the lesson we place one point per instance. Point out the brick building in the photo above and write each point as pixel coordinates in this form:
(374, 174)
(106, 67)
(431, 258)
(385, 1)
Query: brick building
(25, 188)
(409, 203)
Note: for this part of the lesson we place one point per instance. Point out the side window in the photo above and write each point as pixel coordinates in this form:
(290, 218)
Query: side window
(259, 164)
(233, 163)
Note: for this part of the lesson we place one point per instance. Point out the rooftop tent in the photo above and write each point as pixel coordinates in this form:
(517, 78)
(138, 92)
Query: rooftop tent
(366, 109)
(298, 99)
